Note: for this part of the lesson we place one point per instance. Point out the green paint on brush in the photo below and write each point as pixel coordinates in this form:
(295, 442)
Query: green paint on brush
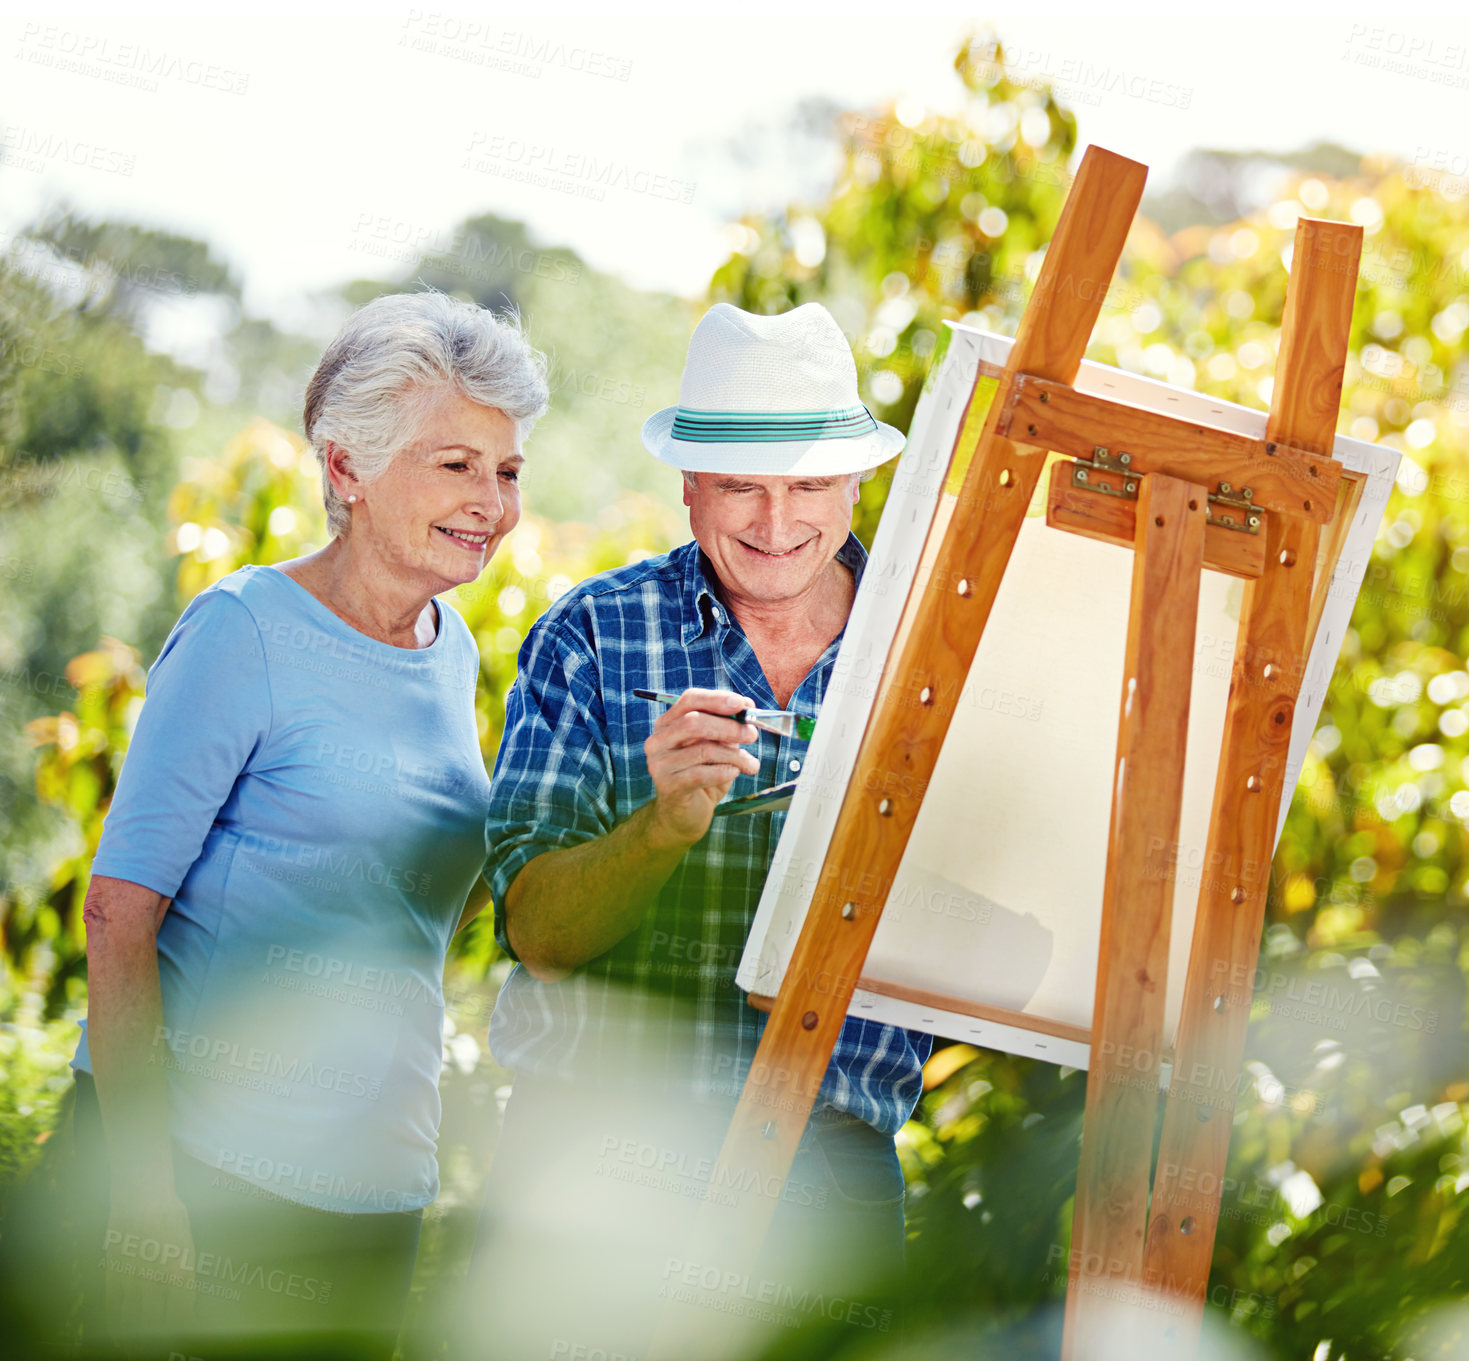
(782, 722)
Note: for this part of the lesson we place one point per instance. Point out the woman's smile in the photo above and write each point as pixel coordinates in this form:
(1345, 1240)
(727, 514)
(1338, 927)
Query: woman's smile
(471, 540)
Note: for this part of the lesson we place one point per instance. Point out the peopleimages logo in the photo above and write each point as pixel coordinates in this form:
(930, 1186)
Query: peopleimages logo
(229, 1061)
(337, 867)
(507, 50)
(736, 1293)
(465, 251)
(39, 149)
(1296, 996)
(50, 262)
(570, 171)
(129, 64)
(375, 983)
(314, 1184)
(212, 1267)
(670, 1169)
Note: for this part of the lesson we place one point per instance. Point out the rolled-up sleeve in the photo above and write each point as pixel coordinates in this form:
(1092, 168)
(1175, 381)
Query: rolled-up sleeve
(552, 785)
(206, 712)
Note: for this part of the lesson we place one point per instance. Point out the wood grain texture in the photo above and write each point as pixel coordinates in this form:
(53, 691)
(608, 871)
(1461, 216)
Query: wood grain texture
(1021, 1020)
(1110, 1219)
(1110, 519)
(1268, 666)
(1333, 536)
(944, 620)
(961, 1006)
(1282, 478)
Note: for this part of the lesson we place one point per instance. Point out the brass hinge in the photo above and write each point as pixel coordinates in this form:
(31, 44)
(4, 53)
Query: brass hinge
(1107, 473)
(1111, 475)
(1234, 510)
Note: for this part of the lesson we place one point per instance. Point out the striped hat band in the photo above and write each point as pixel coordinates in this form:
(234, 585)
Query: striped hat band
(759, 427)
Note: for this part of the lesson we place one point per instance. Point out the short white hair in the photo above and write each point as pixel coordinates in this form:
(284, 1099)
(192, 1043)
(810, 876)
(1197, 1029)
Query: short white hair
(393, 358)
(691, 480)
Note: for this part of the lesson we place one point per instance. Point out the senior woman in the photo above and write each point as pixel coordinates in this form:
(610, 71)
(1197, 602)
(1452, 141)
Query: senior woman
(297, 832)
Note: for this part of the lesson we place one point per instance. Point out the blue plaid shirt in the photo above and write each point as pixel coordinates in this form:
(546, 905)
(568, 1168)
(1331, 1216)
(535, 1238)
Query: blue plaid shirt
(571, 767)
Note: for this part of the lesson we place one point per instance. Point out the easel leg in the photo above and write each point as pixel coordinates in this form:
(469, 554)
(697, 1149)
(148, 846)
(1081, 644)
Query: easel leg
(1276, 626)
(1198, 1115)
(1127, 1028)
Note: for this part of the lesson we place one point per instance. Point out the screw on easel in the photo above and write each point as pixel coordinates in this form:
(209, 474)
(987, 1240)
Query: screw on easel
(849, 911)
(1081, 474)
(1254, 522)
(1224, 488)
(1124, 459)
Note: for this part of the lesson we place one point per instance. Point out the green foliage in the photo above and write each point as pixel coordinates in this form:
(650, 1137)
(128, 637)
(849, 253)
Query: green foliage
(33, 1080)
(991, 1166)
(78, 759)
(490, 259)
(258, 501)
(129, 268)
(84, 465)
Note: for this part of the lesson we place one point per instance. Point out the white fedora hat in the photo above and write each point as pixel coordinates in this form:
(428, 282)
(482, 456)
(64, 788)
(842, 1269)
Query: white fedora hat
(769, 395)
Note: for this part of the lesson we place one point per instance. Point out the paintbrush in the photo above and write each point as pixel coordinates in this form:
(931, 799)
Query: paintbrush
(782, 722)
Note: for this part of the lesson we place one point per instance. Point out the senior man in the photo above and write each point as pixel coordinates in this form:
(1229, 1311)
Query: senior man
(626, 901)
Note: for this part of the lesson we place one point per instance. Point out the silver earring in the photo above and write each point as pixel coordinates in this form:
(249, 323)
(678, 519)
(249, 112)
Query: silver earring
(352, 498)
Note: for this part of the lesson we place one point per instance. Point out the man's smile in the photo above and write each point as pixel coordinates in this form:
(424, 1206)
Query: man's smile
(773, 554)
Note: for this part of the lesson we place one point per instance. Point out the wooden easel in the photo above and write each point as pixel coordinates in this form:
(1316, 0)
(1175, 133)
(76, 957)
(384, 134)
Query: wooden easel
(1182, 496)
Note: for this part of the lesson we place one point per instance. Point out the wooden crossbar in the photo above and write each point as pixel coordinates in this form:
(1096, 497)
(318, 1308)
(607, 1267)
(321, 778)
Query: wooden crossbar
(1282, 477)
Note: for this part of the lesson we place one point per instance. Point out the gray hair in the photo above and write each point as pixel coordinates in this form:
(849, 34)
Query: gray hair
(691, 480)
(393, 358)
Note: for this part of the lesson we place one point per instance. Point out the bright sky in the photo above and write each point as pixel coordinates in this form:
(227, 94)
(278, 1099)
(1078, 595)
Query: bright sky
(311, 148)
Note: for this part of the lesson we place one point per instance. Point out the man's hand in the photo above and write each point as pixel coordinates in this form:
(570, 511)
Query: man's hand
(150, 1269)
(570, 905)
(694, 755)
